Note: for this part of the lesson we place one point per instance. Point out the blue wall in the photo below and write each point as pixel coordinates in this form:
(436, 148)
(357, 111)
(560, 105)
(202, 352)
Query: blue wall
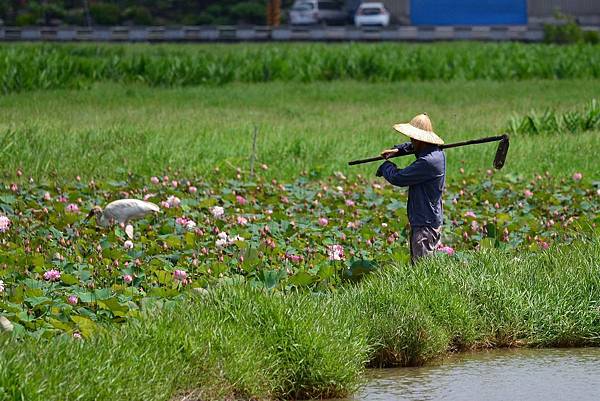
(468, 12)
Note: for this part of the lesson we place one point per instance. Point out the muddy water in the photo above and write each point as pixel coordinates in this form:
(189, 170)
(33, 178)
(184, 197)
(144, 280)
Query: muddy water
(532, 375)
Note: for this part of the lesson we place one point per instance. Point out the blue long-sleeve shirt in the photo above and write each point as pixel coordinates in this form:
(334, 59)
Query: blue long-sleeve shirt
(425, 179)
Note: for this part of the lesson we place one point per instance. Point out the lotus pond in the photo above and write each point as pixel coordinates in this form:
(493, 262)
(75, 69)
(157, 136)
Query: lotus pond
(63, 275)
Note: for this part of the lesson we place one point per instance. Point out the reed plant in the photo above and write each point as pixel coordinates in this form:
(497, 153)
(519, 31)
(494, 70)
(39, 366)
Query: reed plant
(38, 67)
(553, 122)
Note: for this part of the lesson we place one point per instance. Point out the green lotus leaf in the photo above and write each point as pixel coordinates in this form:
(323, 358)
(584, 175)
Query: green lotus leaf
(302, 279)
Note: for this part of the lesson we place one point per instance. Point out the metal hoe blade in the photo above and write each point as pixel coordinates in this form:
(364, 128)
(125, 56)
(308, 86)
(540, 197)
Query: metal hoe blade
(501, 153)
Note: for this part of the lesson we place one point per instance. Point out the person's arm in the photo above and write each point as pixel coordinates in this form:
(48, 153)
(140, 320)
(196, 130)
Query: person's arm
(405, 148)
(416, 173)
(399, 150)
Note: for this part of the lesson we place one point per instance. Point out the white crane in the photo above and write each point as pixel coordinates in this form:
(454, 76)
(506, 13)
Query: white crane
(121, 211)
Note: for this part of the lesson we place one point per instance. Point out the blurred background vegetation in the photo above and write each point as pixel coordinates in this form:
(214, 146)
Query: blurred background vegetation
(129, 12)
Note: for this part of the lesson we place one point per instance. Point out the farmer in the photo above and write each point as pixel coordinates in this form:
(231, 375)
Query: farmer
(425, 179)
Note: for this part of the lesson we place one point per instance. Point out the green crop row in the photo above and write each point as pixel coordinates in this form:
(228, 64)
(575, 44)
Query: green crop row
(33, 67)
(551, 122)
(234, 342)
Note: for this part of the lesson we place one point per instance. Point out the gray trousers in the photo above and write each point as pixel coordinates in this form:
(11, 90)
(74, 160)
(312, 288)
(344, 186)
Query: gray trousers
(423, 241)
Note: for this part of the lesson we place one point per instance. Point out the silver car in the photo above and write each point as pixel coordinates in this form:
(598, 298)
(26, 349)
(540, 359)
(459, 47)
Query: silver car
(306, 12)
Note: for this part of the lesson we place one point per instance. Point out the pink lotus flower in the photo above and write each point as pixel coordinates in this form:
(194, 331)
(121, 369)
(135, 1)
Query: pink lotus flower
(4, 224)
(127, 278)
(47, 196)
(72, 300)
(577, 177)
(446, 249)
(187, 223)
(128, 244)
(217, 211)
(63, 199)
(174, 183)
(14, 187)
(293, 258)
(180, 275)
(72, 208)
(77, 336)
(323, 221)
(335, 252)
(52, 275)
(173, 201)
(544, 245)
(241, 200)
(192, 190)
(154, 180)
(527, 193)
(350, 202)
(470, 214)
(242, 221)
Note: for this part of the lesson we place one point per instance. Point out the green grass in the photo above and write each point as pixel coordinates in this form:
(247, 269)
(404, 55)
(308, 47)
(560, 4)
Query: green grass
(31, 67)
(317, 127)
(240, 342)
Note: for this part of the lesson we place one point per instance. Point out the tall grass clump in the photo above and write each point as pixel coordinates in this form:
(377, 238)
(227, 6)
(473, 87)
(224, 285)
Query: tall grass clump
(550, 122)
(33, 67)
(232, 343)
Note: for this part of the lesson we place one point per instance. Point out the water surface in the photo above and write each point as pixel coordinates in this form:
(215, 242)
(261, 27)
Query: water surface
(525, 374)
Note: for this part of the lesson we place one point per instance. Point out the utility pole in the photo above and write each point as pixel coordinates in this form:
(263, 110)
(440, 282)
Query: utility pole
(88, 19)
(273, 12)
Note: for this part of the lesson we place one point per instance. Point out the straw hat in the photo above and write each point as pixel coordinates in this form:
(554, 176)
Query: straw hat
(420, 129)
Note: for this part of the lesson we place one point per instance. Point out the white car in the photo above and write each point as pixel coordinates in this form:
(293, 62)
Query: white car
(370, 14)
(305, 12)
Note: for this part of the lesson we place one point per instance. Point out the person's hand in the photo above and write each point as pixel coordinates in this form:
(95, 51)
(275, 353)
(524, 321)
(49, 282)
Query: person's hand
(386, 154)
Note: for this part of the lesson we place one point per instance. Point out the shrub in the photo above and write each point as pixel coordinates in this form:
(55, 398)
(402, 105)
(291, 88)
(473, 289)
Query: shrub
(249, 12)
(139, 15)
(105, 13)
(592, 37)
(568, 31)
(27, 18)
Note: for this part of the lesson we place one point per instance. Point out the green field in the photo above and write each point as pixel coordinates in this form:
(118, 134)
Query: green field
(317, 127)
(272, 314)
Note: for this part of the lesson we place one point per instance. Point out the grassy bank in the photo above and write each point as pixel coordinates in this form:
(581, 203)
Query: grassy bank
(235, 341)
(33, 67)
(316, 127)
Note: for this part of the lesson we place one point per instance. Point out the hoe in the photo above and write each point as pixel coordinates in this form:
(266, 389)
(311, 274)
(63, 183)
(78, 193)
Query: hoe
(498, 160)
